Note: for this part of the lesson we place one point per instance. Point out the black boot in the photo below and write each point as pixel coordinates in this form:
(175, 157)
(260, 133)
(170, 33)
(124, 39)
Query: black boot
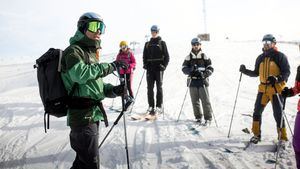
(255, 139)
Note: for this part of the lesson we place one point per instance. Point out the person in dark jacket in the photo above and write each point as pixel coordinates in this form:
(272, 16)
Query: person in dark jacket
(273, 70)
(155, 61)
(198, 68)
(80, 68)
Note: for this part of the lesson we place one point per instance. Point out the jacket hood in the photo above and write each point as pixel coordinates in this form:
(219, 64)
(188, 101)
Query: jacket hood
(81, 39)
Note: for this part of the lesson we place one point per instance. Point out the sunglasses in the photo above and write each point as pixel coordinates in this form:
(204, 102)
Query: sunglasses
(267, 42)
(123, 47)
(95, 25)
(196, 44)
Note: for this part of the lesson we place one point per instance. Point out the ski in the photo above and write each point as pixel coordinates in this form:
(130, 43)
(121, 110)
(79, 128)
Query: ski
(248, 144)
(194, 128)
(138, 117)
(231, 150)
(150, 117)
(115, 109)
(262, 146)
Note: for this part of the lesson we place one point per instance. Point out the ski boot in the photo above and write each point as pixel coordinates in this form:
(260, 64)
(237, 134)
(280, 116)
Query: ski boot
(199, 121)
(282, 144)
(255, 139)
(281, 148)
(150, 111)
(159, 110)
(207, 123)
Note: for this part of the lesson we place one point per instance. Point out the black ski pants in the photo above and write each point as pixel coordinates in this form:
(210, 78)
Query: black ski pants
(155, 76)
(84, 141)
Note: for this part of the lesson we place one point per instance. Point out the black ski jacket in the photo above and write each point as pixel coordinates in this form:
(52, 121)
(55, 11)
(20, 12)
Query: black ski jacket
(155, 55)
(194, 61)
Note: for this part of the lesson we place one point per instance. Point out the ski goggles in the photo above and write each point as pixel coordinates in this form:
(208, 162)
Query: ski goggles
(267, 42)
(93, 26)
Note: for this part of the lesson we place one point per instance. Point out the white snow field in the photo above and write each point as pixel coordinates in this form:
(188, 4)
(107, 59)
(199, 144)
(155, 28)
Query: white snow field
(161, 144)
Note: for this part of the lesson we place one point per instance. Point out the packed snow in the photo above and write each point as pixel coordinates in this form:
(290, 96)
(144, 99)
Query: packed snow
(164, 143)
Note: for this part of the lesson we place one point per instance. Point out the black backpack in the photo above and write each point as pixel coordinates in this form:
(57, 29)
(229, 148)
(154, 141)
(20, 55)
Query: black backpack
(52, 90)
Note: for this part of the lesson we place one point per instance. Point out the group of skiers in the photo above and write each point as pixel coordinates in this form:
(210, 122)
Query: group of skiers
(81, 68)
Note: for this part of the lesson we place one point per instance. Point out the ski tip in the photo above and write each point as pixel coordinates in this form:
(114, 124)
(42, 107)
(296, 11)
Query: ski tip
(270, 161)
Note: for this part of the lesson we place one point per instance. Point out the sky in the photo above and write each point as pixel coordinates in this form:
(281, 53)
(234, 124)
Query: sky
(28, 28)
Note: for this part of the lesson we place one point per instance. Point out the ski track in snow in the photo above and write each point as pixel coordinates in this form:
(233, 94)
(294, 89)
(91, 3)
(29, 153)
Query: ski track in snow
(161, 144)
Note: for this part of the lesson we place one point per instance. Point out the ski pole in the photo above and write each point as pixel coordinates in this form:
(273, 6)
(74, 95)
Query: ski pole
(237, 93)
(136, 94)
(206, 92)
(187, 89)
(284, 101)
(280, 127)
(283, 108)
(116, 122)
(124, 120)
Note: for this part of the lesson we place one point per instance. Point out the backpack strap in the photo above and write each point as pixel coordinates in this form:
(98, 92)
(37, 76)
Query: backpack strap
(147, 45)
(100, 105)
(128, 55)
(202, 56)
(59, 61)
(160, 45)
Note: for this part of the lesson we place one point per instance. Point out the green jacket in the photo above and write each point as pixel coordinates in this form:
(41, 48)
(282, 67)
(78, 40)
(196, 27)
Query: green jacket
(88, 76)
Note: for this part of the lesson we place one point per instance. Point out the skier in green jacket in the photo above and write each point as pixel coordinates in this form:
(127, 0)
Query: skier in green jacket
(82, 76)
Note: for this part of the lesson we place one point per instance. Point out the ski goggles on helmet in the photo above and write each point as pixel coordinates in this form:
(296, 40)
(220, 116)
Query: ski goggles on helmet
(93, 26)
(267, 42)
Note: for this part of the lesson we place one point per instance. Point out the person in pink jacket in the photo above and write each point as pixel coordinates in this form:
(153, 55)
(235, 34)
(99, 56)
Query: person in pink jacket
(289, 92)
(126, 55)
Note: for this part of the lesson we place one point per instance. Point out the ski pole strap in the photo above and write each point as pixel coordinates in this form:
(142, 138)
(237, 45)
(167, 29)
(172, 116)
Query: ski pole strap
(100, 105)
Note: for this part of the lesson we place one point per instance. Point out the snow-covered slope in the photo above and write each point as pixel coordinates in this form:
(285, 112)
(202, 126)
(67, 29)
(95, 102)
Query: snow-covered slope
(164, 143)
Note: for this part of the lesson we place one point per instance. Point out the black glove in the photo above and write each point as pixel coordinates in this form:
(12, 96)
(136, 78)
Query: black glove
(120, 64)
(206, 73)
(118, 90)
(242, 68)
(198, 73)
(286, 92)
(272, 80)
(162, 67)
(145, 67)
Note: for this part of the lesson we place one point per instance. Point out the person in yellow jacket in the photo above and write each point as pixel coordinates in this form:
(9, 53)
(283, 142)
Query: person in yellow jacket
(273, 70)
